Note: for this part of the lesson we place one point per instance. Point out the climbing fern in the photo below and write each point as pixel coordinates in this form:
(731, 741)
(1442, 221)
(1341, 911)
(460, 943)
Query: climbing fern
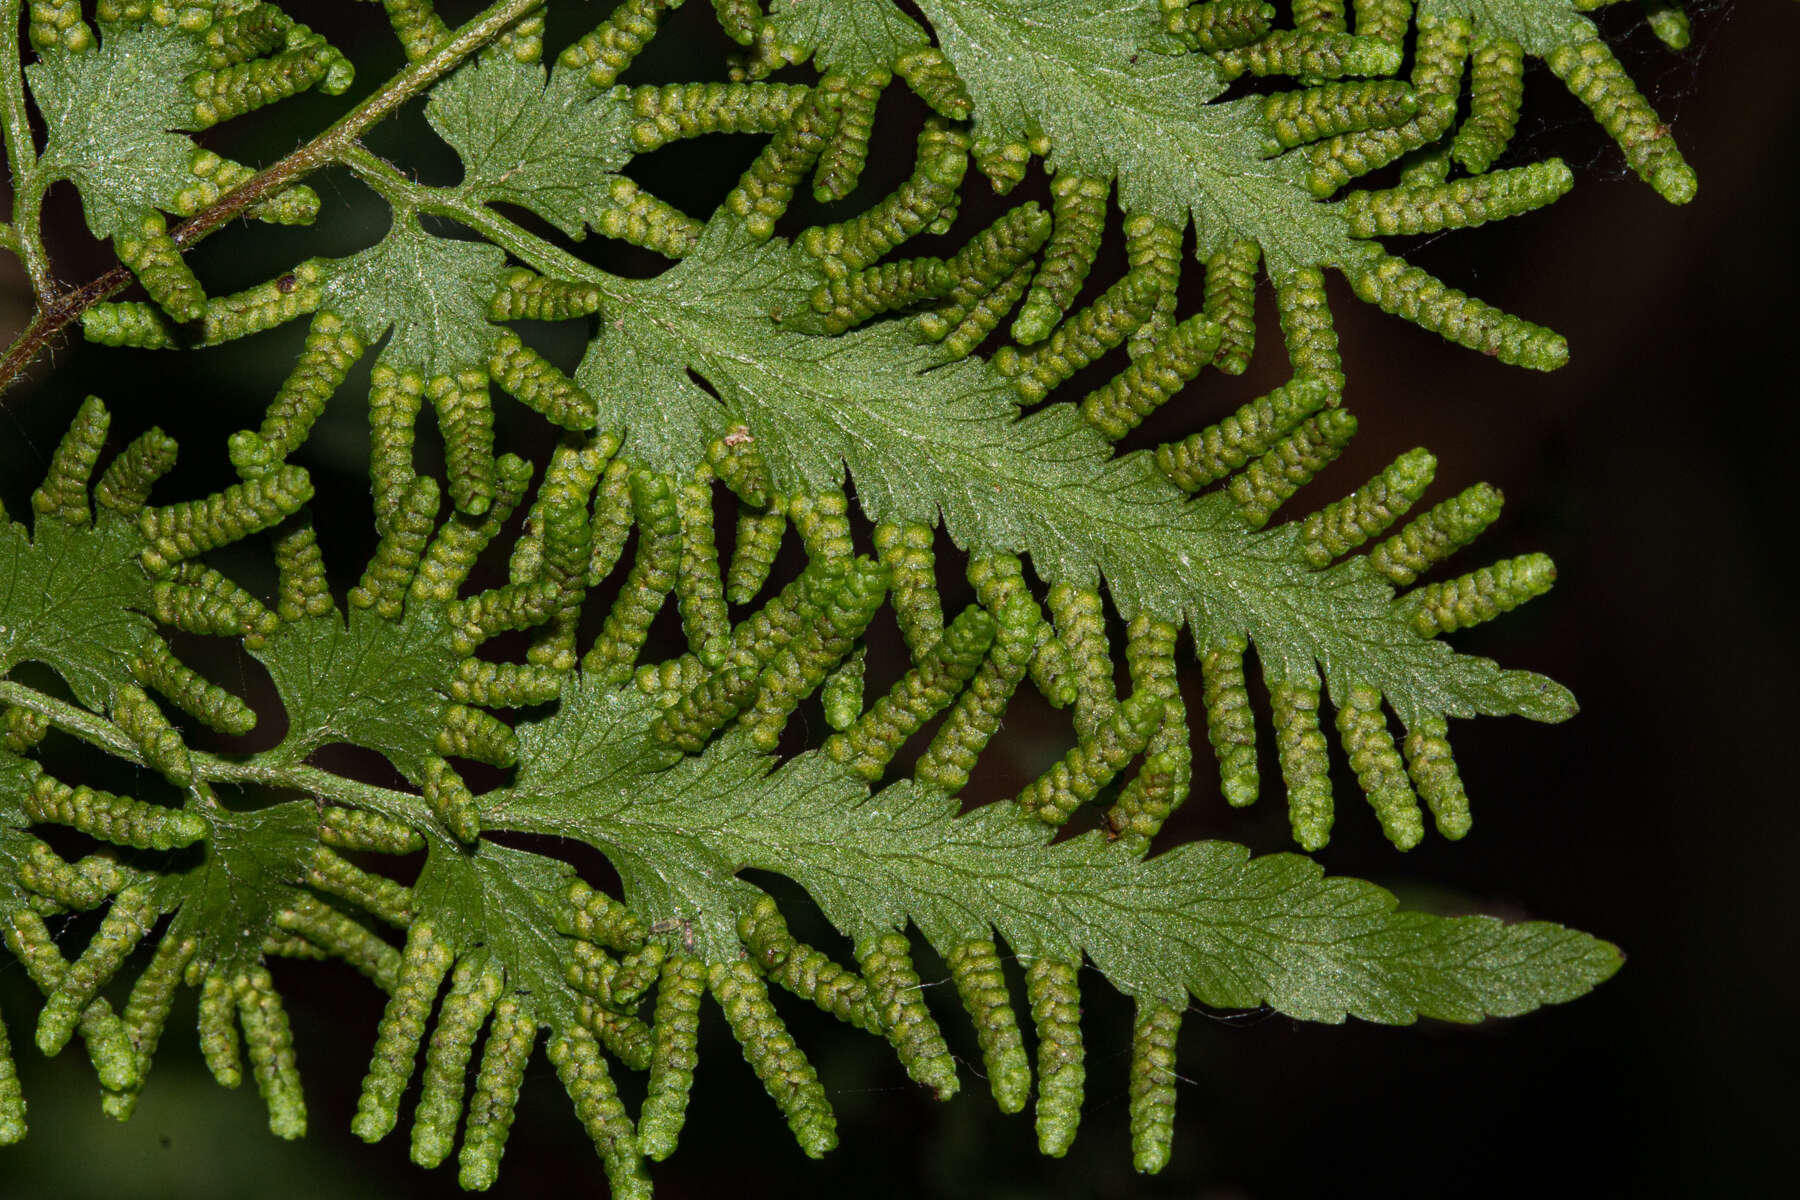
(918, 381)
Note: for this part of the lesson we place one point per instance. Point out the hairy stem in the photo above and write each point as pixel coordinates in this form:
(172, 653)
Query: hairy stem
(97, 731)
(56, 313)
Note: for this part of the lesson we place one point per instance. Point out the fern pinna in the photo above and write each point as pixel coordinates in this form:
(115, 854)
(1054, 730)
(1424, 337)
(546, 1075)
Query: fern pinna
(821, 359)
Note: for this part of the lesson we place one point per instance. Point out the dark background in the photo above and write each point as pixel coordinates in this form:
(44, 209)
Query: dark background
(1654, 468)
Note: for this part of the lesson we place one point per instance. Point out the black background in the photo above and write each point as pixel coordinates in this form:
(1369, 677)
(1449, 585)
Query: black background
(1654, 468)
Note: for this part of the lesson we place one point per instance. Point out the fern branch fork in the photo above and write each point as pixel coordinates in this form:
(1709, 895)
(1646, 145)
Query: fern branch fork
(553, 644)
(57, 311)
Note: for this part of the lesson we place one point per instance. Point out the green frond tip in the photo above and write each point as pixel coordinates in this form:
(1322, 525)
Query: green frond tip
(300, 574)
(1320, 55)
(675, 111)
(1343, 525)
(524, 295)
(466, 419)
(1078, 216)
(972, 723)
(802, 969)
(582, 1068)
(1230, 303)
(674, 1057)
(1362, 729)
(139, 718)
(1320, 16)
(213, 177)
(1162, 782)
(1306, 327)
(110, 818)
(1152, 1089)
(1598, 81)
(841, 163)
(396, 559)
(842, 695)
(943, 157)
(1310, 114)
(270, 1045)
(594, 916)
(505, 685)
(226, 92)
(21, 729)
(511, 1034)
(359, 829)
(1053, 990)
(770, 1050)
(125, 924)
(474, 988)
(108, 1043)
(146, 1011)
(651, 578)
(614, 44)
(823, 523)
(897, 1000)
(384, 898)
(931, 77)
(1668, 20)
(753, 556)
(844, 608)
(1114, 315)
(1153, 250)
(125, 485)
(1264, 485)
(460, 540)
(182, 531)
(848, 302)
(906, 550)
(1337, 160)
(1304, 767)
(1384, 19)
(1431, 538)
(990, 273)
(152, 255)
(423, 965)
(927, 689)
(64, 493)
(767, 186)
(1079, 616)
(451, 799)
(56, 25)
(217, 1022)
(1462, 204)
(1496, 93)
(1434, 774)
(740, 19)
(1441, 53)
(1214, 25)
(1397, 287)
(975, 970)
(12, 1097)
(417, 25)
(1480, 595)
(81, 886)
(234, 36)
(738, 462)
(157, 667)
(1055, 795)
(631, 214)
(1116, 408)
(1000, 587)
(520, 42)
(539, 385)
